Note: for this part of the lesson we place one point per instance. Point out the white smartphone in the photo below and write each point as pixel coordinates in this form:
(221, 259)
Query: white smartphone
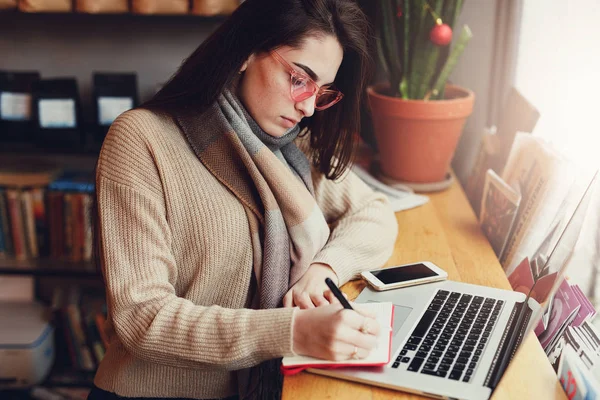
(404, 275)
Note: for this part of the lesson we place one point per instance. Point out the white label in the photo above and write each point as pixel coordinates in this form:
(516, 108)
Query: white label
(57, 113)
(15, 106)
(109, 108)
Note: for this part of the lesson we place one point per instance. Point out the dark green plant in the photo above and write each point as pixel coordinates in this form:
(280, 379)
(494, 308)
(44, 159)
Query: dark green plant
(416, 67)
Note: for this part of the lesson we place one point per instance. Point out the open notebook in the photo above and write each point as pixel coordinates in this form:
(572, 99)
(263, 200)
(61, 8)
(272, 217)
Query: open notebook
(384, 314)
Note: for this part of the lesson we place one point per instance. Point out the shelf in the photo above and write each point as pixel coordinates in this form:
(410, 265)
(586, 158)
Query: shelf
(49, 267)
(65, 377)
(15, 395)
(33, 149)
(58, 378)
(74, 15)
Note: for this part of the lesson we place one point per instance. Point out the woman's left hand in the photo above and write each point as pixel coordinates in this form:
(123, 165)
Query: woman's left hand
(311, 291)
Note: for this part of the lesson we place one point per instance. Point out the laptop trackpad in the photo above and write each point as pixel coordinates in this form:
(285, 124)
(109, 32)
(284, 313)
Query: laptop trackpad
(401, 313)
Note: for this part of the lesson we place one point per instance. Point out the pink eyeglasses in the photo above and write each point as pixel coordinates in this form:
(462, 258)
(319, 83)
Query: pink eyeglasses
(302, 87)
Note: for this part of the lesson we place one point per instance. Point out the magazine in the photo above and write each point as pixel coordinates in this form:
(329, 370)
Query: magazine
(401, 198)
(564, 309)
(523, 278)
(518, 115)
(568, 309)
(577, 381)
(483, 162)
(498, 210)
(543, 179)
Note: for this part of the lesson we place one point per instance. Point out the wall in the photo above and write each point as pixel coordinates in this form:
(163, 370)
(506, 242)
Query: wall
(557, 68)
(474, 71)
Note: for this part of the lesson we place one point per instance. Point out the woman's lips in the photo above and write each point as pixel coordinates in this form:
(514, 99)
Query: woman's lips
(288, 122)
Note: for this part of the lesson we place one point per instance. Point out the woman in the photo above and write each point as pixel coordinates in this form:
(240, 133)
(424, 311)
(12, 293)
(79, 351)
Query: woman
(211, 218)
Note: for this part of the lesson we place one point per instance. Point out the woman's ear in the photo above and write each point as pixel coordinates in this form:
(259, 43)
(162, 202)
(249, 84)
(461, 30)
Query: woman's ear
(246, 63)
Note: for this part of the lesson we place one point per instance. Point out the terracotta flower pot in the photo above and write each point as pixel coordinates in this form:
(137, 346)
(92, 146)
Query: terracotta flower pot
(416, 138)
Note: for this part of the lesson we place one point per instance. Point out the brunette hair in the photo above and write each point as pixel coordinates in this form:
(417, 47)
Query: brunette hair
(259, 26)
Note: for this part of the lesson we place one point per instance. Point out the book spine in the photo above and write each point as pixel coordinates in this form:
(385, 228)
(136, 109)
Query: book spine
(5, 223)
(68, 225)
(474, 187)
(71, 186)
(70, 338)
(79, 339)
(41, 220)
(53, 223)
(87, 227)
(523, 219)
(29, 223)
(92, 334)
(16, 219)
(60, 226)
(3, 248)
(76, 227)
(74, 315)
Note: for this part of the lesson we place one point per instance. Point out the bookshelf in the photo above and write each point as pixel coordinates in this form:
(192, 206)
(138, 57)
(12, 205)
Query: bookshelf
(56, 276)
(75, 45)
(47, 267)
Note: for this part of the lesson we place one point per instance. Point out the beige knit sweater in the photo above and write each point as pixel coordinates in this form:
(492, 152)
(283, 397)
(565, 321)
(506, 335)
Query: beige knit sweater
(177, 261)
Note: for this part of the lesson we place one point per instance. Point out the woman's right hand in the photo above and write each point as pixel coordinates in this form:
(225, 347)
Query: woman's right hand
(333, 333)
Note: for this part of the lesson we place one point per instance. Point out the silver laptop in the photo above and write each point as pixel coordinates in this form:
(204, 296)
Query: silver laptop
(455, 340)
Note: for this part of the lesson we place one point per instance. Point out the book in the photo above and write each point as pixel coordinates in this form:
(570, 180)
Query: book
(55, 223)
(499, 208)
(74, 317)
(544, 179)
(384, 314)
(587, 308)
(483, 161)
(564, 309)
(88, 243)
(517, 115)
(523, 278)
(92, 303)
(13, 199)
(5, 242)
(577, 381)
(74, 181)
(29, 223)
(40, 219)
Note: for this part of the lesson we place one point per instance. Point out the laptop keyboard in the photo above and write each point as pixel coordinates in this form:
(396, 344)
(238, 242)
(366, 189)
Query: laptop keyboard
(450, 338)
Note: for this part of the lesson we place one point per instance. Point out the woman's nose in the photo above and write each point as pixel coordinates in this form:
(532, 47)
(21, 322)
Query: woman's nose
(307, 106)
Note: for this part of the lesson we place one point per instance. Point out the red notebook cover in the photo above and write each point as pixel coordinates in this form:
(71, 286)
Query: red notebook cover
(378, 357)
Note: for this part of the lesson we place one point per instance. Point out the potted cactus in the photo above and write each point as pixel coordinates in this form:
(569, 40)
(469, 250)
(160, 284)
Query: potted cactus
(417, 117)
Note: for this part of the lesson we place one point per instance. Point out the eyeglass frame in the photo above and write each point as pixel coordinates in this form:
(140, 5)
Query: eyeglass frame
(294, 74)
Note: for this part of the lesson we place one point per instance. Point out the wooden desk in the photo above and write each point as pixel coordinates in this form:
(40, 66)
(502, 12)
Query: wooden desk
(444, 231)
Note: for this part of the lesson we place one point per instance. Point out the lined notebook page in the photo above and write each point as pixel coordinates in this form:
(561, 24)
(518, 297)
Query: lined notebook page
(383, 313)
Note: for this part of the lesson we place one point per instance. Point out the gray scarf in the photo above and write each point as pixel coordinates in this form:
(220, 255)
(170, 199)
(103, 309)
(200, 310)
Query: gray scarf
(287, 227)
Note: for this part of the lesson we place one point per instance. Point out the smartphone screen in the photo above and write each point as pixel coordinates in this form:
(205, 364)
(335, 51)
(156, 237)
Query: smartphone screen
(403, 274)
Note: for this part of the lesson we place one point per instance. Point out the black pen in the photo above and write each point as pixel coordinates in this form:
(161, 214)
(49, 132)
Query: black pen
(338, 294)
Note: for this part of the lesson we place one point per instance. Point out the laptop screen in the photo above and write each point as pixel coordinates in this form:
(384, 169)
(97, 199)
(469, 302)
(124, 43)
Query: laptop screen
(548, 265)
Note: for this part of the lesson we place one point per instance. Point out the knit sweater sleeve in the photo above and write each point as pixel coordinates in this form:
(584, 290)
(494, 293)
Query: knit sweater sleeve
(150, 320)
(363, 225)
